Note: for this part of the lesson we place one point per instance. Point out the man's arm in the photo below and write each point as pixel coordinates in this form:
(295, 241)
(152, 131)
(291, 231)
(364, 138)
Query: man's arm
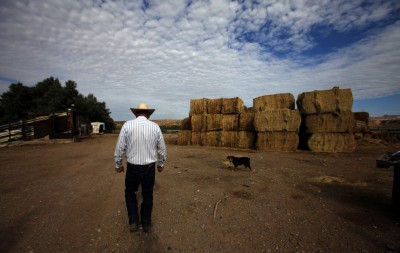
(120, 149)
(162, 152)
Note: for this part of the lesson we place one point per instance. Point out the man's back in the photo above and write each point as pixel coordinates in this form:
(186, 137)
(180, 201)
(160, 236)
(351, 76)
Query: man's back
(141, 140)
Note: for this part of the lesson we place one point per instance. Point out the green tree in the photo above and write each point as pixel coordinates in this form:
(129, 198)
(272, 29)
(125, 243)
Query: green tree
(93, 111)
(49, 96)
(15, 103)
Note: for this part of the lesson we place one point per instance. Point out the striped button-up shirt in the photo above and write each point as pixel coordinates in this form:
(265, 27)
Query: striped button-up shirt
(141, 141)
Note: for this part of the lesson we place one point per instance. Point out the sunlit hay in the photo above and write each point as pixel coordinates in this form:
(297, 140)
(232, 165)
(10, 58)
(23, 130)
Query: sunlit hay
(214, 122)
(331, 142)
(198, 106)
(230, 122)
(199, 122)
(329, 122)
(274, 102)
(277, 120)
(214, 106)
(323, 101)
(229, 139)
(184, 137)
(233, 105)
(277, 141)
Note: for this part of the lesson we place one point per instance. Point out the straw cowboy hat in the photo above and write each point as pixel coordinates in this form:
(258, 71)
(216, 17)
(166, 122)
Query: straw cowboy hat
(142, 108)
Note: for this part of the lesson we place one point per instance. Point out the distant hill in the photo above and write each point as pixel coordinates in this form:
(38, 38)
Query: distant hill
(387, 120)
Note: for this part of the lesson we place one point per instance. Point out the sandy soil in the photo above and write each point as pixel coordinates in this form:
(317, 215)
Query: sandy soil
(65, 197)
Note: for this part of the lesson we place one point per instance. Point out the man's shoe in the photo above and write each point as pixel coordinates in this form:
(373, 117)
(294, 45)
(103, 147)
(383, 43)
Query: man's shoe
(133, 227)
(146, 228)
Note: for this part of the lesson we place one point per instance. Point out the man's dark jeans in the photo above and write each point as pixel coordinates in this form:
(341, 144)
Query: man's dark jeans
(139, 175)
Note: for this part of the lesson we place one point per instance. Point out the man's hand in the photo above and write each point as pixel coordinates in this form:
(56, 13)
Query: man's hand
(160, 168)
(120, 170)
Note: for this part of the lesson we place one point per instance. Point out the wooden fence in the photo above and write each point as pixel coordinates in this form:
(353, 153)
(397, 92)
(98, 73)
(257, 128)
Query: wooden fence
(36, 128)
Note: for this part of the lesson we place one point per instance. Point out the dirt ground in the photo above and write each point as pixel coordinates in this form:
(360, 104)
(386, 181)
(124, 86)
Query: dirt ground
(65, 197)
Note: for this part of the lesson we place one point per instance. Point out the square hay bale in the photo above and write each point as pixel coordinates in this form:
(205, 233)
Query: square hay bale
(214, 106)
(232, 105)
(322, 101)
(199, 138)
(331, 142)
(186, 124)
(329, 122)
(229, 139)
(246, 139)
(277, 120)
(199, 122)
(246, 121)
(198, 106)
(277, 141)
(213, 138)
(184, 137)
(230, 122)
(274, 102)
(214, 122)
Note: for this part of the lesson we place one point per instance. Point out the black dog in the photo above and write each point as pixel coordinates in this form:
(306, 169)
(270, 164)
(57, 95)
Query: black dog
(240, 161)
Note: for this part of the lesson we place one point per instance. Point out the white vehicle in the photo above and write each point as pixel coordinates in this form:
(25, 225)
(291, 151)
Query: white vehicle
(98, 127)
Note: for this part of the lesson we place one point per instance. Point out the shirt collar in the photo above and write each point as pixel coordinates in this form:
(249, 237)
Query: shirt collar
(141, 118)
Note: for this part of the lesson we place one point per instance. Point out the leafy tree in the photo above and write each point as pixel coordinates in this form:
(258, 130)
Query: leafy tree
(92, 110)
(48, 96)
(15, 103)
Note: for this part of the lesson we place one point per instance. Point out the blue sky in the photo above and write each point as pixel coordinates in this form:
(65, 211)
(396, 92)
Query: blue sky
(165, 53)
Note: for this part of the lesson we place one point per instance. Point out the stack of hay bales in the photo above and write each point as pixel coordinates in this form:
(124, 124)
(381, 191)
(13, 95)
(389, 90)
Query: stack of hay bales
(327, 120)
(276, 122)
(221, 122)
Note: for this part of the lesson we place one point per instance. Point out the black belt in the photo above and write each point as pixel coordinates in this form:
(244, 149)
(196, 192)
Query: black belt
(150, 164)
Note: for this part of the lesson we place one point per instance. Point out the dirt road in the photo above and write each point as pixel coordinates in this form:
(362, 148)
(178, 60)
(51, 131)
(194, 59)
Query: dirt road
(65, 197)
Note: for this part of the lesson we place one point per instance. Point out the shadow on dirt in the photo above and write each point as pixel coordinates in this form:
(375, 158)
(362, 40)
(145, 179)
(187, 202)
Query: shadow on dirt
(370, 202)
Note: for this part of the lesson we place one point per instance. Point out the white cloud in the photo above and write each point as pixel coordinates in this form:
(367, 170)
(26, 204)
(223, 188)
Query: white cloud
(174, 51)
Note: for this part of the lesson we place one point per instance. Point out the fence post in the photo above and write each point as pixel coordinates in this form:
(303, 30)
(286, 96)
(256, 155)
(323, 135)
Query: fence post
(23, 130)
(9, 131)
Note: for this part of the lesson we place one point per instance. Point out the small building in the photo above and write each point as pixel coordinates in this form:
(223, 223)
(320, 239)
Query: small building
(98, 127)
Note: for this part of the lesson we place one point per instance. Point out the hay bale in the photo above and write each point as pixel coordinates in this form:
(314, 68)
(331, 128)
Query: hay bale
(277, 141)
(184, 137)
(199, 122)
(214, 122)
(230, 122)
(232, 105)
(331, 142)
(199, 138)
(246, 121)
(186, 124)
(213, 138)
(214, 106)
(277, 120)
(329, 122)
(198, 106)
(274, 102)
(323, 101)
(246, 139)
(229, 139)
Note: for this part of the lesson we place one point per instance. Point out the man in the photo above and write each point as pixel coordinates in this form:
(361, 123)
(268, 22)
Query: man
(142, 142)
